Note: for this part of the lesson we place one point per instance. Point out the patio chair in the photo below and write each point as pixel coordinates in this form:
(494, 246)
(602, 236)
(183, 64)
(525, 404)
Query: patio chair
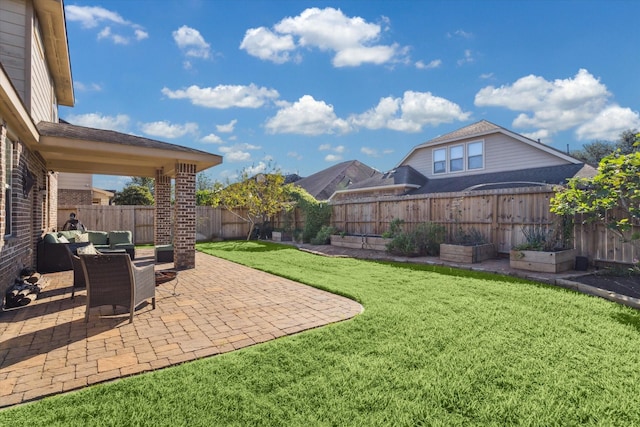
(112, 279)
(78, 272)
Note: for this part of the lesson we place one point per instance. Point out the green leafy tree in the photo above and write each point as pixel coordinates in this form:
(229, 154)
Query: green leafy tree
(255, 199)
(134, 195)
(612, 197)
(143, 181)
(595, 151)
(317, 214)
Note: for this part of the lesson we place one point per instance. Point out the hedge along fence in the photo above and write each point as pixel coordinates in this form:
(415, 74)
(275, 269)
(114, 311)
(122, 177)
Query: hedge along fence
(499, 215)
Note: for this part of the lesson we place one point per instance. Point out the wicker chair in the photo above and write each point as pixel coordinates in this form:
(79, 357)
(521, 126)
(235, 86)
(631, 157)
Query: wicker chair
(112, 279)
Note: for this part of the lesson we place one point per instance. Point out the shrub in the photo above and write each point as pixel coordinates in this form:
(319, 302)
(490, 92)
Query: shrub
(424, 240)
(324, 235)
(395, 228)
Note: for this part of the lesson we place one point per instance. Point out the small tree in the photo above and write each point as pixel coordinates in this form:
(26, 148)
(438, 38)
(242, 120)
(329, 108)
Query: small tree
(134, 195)
(255, 199)
(612, 197)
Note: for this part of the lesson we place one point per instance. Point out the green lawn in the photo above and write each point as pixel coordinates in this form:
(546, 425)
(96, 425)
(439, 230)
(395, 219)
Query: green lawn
(434, 346)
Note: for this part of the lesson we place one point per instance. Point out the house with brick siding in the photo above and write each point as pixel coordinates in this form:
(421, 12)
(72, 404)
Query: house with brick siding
(36, 146)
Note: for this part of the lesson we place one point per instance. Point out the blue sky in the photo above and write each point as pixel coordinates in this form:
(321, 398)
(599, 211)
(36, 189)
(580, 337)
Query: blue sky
(305, 85)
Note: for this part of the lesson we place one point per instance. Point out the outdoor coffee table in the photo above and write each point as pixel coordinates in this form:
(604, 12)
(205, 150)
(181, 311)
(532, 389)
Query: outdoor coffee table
(165, 276)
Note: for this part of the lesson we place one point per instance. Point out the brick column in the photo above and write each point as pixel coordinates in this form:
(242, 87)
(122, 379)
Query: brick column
(184, 240)
(162, 230)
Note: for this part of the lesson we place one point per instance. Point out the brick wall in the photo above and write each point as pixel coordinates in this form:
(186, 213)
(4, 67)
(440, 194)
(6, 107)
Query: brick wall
(29, 211)
(74, 197)
(162, 221)
(185, 216)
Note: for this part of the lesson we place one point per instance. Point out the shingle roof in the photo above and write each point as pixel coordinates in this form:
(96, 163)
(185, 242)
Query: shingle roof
(510, 179)
(69, 131)
(323, 184)
(481, 127)
(402, 175)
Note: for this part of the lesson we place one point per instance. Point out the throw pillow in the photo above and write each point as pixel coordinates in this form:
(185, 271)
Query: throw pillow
(87, 250)
(82, 238)
(62, 239)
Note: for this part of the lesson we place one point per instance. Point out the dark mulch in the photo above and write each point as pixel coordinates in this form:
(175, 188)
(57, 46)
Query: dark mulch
(628, 285)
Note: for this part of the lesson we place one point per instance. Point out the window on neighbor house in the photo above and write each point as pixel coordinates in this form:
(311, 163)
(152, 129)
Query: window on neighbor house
(8, 158)
(439, 160)
(475, 155)
(456, 158)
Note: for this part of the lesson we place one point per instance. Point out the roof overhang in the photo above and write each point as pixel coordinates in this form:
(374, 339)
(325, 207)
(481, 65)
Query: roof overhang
(54, 34)
(13, 111)
(75, 149)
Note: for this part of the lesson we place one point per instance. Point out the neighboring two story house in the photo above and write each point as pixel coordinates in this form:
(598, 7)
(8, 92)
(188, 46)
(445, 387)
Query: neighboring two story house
(479, 156)
(35, 77)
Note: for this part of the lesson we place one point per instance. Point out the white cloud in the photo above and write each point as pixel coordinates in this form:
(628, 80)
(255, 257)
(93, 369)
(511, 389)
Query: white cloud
(212, 139)
(436, 63)
(371, 152)
(118, 123)
(238, 152)
(468, 58)
(167, 130)
(141, 34)
(410, 113)
(550, 106)
(265, 44)
(353, 40)
(256, 169)
(191, 42)
(460, 33)
(91, 17)
(332, 158)
(225, 96)
(339, 149)
(324, 147)
(609, 124)
(294, 155)
(91, 87)
(486, 76)
(228, 127)
(307, 117)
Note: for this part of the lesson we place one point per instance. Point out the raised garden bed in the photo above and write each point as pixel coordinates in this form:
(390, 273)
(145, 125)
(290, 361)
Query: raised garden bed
(467, 254)
(544, 262)
(375, 243)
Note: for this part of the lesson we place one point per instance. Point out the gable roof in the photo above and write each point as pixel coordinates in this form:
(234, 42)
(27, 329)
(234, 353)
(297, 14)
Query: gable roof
(77, 149)
(483, 128)
(405, 176)
(323, 184)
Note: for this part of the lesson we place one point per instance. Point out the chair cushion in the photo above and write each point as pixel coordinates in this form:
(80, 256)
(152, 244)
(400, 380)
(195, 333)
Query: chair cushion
(119, 237)
(50, 238)
(62, 239)
(69, 234)
(98, 237)
(82, 238)
(87, 250)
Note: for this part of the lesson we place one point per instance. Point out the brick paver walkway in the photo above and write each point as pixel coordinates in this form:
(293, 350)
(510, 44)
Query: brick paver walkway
(46, 347)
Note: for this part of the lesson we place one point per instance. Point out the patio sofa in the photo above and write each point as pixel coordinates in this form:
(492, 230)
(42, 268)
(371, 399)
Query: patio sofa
(53, 256)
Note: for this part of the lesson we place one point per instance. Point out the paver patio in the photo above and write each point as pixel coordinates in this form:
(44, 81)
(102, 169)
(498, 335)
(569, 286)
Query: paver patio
(47, 348)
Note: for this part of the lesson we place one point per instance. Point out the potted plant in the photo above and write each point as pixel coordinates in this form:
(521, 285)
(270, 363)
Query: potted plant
(467, 247)
(545, 249)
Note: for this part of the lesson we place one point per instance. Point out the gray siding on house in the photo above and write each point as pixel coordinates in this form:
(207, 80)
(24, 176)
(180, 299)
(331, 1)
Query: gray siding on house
(13, 43)
(501, 153)
(43, 100)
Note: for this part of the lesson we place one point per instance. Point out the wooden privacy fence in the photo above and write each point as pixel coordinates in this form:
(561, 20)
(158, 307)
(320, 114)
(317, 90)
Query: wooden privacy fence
(500, 215)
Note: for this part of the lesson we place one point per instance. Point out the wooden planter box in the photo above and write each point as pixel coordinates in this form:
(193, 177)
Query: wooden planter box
(279, 236)
(360, 242)
(544, 262)
(467, 254)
